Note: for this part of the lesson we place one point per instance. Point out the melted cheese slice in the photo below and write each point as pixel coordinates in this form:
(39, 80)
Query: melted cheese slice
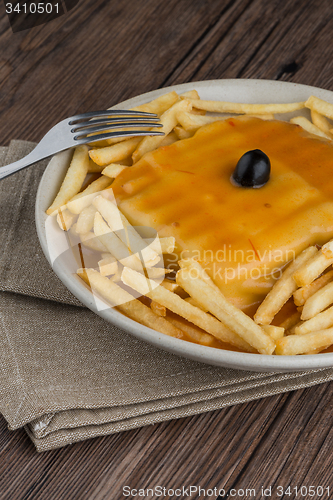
(242, 236)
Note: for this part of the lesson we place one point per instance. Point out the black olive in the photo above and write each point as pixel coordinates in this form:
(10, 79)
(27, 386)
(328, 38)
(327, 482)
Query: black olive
(253, 169)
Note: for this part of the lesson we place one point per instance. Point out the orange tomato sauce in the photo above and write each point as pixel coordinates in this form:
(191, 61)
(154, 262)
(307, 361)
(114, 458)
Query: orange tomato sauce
(242, 236)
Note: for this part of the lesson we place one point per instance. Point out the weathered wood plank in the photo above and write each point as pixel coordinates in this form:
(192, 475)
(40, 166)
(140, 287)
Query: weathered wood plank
(99, 55)
(160, 454)
(291, 444)
(271, 40)
(245, 446)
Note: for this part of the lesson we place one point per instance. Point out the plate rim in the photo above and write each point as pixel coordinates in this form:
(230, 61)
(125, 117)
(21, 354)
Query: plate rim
(205, 354)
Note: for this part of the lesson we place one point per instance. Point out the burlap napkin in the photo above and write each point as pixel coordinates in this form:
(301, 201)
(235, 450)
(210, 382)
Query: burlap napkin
(66, 374)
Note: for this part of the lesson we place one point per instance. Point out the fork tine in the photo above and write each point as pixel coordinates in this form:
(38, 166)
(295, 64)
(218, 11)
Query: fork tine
(110, 121)
(101, 128)
(126, 133)
(110, 112)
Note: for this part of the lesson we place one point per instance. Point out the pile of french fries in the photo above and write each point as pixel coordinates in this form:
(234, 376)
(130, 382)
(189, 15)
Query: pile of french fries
(191, 307)
(309, 282)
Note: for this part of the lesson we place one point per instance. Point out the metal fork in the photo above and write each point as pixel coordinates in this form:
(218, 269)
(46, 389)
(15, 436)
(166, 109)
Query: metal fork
(77, 130)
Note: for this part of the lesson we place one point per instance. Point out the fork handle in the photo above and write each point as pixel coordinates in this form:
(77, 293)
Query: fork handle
(28, 160)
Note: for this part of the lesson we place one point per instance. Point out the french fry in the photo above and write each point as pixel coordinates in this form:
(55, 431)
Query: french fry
(227, 313)
(192, 301)
(315, 266)
(198, 112)
(113, 140)
(267, 116)
(98, 144)
(177, 305)
(125, 232)
(282, 290)
(84, 199)
(191, 122)
(309, 127)
(197, 272)
(126, 303)
(250, 109)
(168, 140)
(89, 240)
(157, 106)
(181, 133)
(89, 180)
(321, 321)
(152, 272)
(156, 272)
(303, 344)
(115, 152)
(327, 249)
(165, 245)
(171, 286)
(193, 278)
(114, 245)
(314, 351)
(73, 180)
(169, 122)
(322, 107)
(320, 121)
(65, 219)
(193, 94)
(275, 332)
(158, 309)
(85, 221)
(195, 334)
(106, 255)
(318, 302)
(302, 294)
(190, 94)
(113, 170)
(108, 266)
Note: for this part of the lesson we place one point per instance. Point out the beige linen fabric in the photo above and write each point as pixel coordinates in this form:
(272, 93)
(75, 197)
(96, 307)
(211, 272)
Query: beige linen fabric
(65, 373)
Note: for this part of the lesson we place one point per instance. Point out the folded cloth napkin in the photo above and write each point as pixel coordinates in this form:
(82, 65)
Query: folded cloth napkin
(68, 375)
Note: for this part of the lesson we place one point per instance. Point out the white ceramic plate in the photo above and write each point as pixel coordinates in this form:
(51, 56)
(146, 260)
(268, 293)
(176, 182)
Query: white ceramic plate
(250, 91)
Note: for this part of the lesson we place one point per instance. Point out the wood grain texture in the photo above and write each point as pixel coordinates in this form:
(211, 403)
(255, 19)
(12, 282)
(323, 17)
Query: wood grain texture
(97, 55)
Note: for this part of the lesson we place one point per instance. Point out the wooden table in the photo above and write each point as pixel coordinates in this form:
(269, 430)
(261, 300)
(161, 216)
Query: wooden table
(101, 53)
